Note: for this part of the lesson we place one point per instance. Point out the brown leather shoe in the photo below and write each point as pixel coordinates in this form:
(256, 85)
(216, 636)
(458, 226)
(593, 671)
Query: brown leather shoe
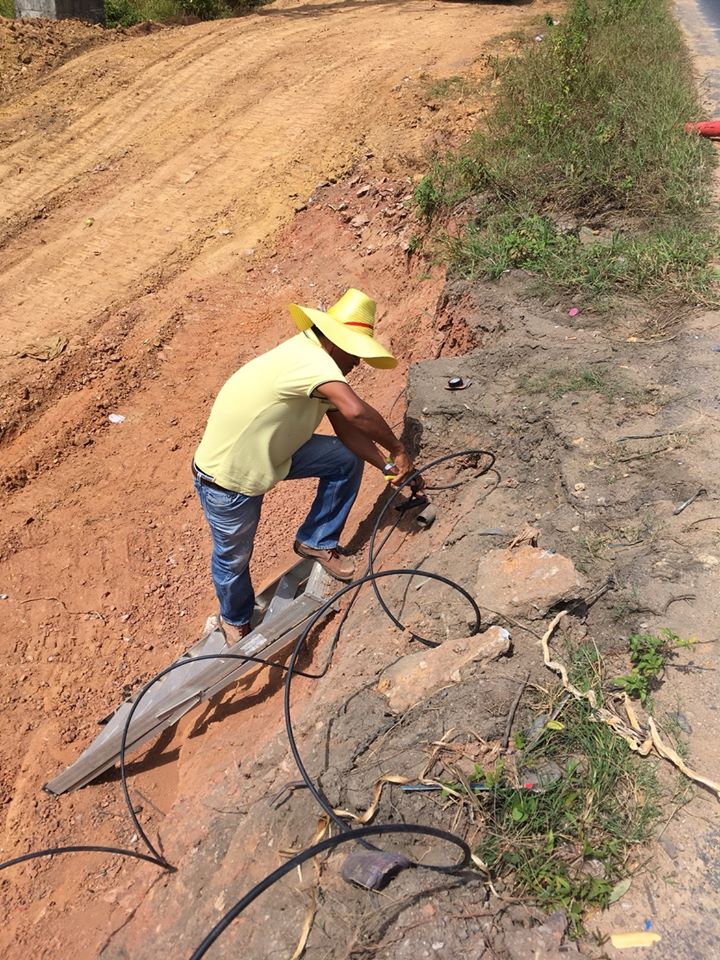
(232, 633)
(338, 566)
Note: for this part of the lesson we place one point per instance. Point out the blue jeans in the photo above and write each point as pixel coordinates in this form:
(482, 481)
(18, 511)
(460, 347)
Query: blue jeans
(233, 519)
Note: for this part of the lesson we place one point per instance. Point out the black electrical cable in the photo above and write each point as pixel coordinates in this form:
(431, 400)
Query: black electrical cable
(328, 844)
(80, 848)
(154, 856)
(373, 552)
(369, 577)
(436, 488)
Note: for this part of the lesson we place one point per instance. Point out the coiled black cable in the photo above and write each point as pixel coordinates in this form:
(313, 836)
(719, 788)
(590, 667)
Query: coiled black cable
(409, 481)
(368, 578)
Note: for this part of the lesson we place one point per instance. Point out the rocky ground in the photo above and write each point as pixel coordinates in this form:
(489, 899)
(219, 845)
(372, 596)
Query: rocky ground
(600, 506)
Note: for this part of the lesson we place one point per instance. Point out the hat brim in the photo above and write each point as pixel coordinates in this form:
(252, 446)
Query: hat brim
(356, 344)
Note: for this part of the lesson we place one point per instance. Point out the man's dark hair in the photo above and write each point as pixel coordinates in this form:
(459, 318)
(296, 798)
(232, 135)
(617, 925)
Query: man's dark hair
(318, 332)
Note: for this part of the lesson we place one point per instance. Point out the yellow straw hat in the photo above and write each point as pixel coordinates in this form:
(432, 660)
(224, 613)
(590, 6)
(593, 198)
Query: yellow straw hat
(349, 324)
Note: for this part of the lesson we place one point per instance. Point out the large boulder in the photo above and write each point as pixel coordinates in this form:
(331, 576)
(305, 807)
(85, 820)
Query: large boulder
(526, 581)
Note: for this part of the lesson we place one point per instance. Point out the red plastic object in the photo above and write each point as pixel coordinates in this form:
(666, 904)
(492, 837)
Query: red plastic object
(706, 128)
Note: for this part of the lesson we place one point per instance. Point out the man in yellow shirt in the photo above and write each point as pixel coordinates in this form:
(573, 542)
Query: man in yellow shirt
(261, 430)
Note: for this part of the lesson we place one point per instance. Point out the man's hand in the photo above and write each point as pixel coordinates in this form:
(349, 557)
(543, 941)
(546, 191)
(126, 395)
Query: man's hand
(403, 468)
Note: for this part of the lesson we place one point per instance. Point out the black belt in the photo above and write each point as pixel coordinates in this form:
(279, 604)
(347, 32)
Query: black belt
(205, 479)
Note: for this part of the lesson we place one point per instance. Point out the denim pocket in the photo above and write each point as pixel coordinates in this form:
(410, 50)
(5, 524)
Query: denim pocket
(226, 499)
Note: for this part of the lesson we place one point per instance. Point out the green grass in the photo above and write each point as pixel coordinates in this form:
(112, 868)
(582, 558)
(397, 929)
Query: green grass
(592, 546)
(671, 258)
(568, 844)
(589, 121)
(124, 13)
(7, 8)
(557, 382)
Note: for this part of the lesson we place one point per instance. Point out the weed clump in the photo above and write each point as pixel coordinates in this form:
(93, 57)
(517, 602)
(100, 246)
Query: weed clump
(590, 121)
(449, 88)
(649, 653)
(565, 826)
(556, 382)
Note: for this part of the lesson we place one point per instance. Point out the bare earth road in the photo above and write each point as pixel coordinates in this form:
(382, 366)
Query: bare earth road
(161, 140)
(142, 187)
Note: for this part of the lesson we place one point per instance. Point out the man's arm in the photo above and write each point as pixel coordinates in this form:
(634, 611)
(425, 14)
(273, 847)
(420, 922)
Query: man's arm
(360, 427)
(360, 445)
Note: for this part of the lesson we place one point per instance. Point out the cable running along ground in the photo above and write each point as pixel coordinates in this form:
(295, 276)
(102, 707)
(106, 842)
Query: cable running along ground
(347, 834)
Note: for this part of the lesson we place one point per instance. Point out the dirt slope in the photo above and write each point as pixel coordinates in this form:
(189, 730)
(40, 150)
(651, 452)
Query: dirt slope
(139, 186)
(135, 159)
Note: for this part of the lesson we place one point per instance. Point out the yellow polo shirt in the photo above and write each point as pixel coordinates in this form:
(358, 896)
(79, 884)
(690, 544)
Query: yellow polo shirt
(264, 413)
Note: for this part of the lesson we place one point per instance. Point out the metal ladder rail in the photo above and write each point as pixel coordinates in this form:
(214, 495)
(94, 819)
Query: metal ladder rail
(283, 619)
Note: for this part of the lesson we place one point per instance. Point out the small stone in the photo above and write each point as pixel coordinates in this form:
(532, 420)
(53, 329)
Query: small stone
(668, 846)
(681, 720)
(589, 237)
(359, 221)
(708, 560)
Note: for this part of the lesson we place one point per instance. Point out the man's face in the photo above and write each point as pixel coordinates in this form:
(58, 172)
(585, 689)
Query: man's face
(346, 361)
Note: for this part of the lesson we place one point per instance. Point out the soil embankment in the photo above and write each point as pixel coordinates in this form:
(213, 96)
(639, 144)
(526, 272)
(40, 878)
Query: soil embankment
(140, 184)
